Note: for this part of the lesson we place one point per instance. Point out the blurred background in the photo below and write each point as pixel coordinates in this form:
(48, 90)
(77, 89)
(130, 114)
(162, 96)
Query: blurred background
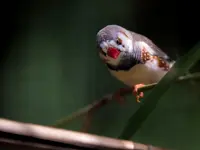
(50, 66)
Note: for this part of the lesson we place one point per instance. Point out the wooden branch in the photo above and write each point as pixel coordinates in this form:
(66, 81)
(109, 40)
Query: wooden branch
(31, 136)
(108, 98)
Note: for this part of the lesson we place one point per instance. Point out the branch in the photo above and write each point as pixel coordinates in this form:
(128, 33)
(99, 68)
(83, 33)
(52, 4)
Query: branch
(108, 98)
(14, 135)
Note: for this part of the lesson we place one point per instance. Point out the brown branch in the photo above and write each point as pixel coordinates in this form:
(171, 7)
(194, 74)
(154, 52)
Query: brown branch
(108, 98)
(97, 104)
(31, 136)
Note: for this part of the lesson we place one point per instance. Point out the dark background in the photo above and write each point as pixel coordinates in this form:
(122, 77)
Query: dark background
(50, 67)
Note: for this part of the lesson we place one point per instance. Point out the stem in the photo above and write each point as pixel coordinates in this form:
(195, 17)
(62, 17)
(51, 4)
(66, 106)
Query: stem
(83, 111)
(108, 98)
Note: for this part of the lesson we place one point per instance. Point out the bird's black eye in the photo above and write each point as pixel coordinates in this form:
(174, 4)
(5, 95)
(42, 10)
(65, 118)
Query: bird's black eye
(119, 41)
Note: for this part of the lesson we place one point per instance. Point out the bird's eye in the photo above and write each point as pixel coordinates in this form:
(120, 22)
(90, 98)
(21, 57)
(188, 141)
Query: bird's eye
(119, 41)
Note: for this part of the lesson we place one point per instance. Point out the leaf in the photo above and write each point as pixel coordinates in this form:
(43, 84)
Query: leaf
(150, 102)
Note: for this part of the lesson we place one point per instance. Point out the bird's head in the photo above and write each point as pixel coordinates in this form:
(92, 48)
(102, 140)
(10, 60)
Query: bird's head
(115, 45)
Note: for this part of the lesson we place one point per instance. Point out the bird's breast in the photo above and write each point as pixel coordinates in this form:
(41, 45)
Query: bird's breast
(139, 74)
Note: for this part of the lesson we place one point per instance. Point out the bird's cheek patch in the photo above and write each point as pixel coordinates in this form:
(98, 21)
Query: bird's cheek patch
(113, 52)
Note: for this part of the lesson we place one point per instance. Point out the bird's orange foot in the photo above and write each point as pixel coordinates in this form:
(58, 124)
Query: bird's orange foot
(135, 92)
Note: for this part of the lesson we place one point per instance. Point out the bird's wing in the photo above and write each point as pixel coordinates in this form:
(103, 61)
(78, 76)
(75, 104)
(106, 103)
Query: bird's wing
(144, 42)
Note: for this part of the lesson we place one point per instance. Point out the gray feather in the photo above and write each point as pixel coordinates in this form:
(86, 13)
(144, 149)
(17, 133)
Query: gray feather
(158, 51)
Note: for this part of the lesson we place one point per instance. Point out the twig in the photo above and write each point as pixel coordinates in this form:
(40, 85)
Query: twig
(32, 136)
(108, 98)
(97, 104)
(87, 122)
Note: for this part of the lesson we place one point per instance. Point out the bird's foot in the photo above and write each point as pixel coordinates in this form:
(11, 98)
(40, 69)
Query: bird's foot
(135, 92)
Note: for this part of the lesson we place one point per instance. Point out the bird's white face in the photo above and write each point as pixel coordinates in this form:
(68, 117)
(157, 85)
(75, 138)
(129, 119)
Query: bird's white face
(112, 50)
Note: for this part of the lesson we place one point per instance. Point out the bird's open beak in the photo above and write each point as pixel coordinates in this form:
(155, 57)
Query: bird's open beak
(102, 52)
(105, 60)
(113, 52)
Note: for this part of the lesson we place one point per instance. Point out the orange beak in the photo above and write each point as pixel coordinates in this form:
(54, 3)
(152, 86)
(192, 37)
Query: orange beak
(105, 60)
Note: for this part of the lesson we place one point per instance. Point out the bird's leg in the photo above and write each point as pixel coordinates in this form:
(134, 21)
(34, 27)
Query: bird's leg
(118, 95)
(135, 92)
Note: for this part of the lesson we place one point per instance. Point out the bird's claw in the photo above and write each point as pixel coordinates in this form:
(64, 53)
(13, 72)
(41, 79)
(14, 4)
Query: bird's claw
(138, 95)
(135, 92)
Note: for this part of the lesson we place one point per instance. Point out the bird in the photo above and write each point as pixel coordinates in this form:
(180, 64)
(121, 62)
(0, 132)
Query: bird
(132, 58)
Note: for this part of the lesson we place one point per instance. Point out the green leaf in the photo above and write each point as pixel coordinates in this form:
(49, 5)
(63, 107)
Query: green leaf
(150, 102)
